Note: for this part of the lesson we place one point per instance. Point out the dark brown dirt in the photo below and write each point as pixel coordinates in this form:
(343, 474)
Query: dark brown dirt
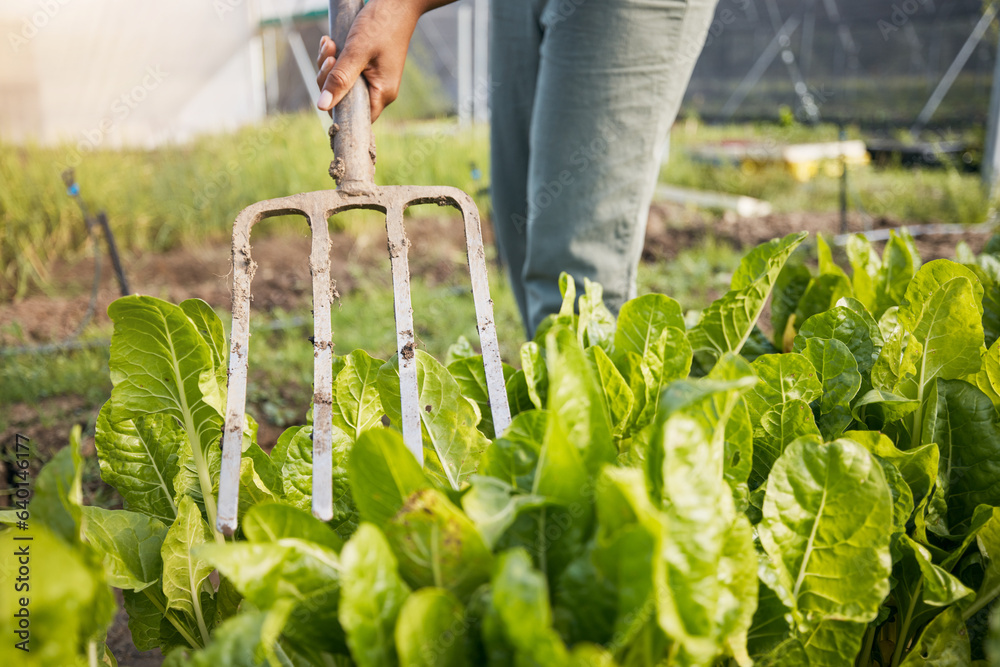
(282, 281)
(673, 228)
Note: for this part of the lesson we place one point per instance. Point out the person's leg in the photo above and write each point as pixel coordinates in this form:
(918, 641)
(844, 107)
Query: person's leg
(515, 36)
(610, 82)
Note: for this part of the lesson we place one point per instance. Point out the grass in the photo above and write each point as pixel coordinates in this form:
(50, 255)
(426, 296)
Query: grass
(184, 195)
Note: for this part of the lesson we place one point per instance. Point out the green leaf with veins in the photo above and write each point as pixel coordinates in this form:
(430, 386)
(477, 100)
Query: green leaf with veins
(897, 360)
(272, 522)
(792, 282)
(617, 393)
(847, 326)
(823, 292)
(833, 642)
(771, 624)
(878, 408)
(641, 321)
(161, 364)
(57, 499)
(783, 378)
(902, 496)
(210, 328)
(628, 537)
(727, 323)
(140, 458)
(130, 544)
(452, 443)
(900, 262)
(470, 374)
(825, 513)
(948, 325)
(706, 582)
(865, 265)
(774, 431)
(295, 453)
(919, 466)
(535, 373)
(837, 370)
(945, 641)
(356, 404)
(596, 326)
(988, 540)
(922, 588)
(184, 573)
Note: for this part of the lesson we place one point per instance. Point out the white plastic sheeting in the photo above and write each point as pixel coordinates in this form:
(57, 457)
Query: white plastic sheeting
(110, 73)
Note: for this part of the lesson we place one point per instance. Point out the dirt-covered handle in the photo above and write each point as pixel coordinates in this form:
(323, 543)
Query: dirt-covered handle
(353, 146)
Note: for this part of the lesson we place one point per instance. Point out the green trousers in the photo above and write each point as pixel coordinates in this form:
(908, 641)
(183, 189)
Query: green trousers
(583, 94)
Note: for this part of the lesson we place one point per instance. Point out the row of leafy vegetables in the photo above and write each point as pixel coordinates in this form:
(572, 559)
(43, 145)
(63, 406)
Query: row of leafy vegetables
(666, 495)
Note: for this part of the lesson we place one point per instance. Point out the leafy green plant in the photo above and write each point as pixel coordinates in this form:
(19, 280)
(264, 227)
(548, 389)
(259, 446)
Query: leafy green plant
(665, 495)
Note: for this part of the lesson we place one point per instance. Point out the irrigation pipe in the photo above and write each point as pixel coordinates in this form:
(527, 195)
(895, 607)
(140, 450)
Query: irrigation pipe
(933, 229)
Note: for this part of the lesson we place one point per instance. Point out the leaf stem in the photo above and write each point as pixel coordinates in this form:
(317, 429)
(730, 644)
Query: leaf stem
(866, 651)
(282, 656)
(897, 654)
(436, 556)
(204, 479)
(192, 642)
(981, 601)
(196, 603)
(542, 546)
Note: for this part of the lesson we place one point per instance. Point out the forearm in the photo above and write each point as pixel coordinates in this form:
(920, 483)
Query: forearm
(427, 5)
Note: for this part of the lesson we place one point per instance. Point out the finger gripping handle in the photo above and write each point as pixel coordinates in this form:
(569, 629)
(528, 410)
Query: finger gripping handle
(353, 145)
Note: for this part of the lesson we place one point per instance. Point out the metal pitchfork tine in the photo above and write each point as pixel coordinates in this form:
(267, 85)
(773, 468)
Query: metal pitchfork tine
(353, 169)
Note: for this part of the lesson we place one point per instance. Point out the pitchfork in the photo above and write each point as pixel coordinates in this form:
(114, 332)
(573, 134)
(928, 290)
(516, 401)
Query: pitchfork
(354, 170)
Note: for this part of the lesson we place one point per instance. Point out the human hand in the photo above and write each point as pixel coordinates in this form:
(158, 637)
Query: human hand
(376, 48)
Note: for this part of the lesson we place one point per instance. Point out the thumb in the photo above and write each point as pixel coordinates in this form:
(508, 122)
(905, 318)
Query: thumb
(341, 78)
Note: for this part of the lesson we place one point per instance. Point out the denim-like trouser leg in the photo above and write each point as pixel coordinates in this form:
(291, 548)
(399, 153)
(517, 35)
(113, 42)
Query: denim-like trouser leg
(584, 93)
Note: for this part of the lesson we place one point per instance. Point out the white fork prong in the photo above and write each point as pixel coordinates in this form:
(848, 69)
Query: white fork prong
(319, 266)
(405, 340)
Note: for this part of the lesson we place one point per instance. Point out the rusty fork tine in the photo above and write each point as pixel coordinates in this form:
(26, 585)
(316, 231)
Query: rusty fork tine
(409, 404)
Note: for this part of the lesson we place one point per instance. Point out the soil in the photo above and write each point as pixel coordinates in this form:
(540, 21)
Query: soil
(283, 283)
